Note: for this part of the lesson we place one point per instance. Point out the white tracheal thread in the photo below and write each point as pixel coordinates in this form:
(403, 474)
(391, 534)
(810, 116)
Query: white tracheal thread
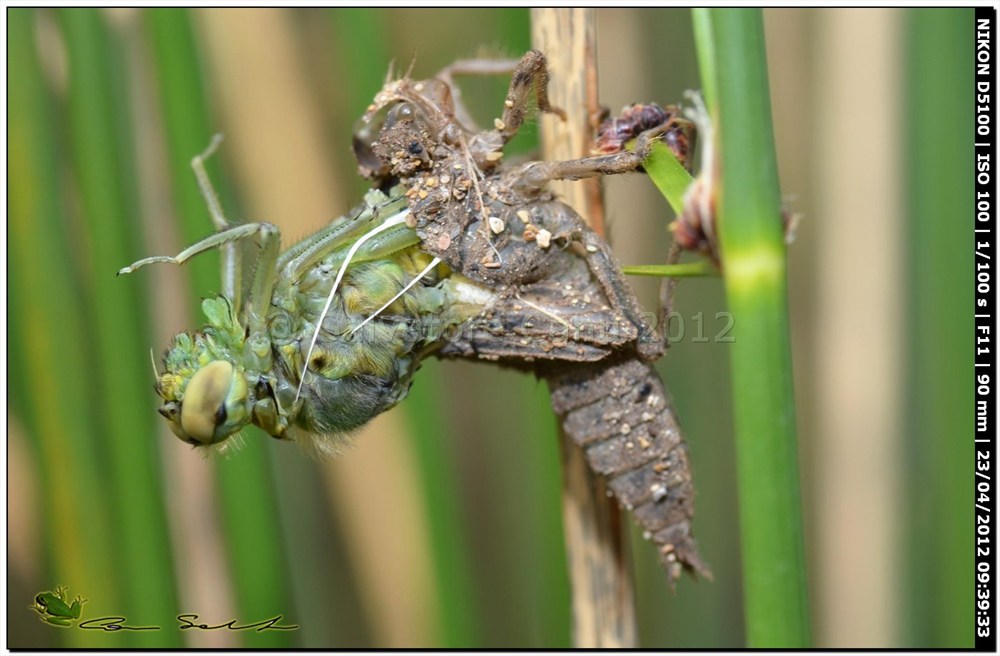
(436, 261)
(550, 315)
(392, 221)
(474, 174)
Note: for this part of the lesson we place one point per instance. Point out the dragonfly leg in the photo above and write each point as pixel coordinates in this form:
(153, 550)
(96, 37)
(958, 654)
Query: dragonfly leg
(472, 67)
(532, 176)
(231, 256)
(477, 66)
(205, 184)
(605, 269)
(667, 288)
(227, 236)
(531, 72)
(264, 278)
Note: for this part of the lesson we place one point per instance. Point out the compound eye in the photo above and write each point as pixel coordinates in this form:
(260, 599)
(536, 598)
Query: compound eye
(402, 112)
(365, 134)
(204, 406)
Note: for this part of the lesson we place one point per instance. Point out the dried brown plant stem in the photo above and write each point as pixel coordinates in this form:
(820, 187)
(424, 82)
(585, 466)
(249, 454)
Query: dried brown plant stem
(597, 549)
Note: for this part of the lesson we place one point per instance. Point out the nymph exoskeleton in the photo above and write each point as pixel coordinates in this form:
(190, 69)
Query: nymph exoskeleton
(562, 307)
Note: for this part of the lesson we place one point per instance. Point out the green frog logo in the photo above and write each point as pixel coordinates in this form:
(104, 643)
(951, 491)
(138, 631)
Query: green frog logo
(55, 608)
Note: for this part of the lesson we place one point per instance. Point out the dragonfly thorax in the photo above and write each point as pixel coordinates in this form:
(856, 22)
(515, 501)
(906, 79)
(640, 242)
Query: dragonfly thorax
(389, 310)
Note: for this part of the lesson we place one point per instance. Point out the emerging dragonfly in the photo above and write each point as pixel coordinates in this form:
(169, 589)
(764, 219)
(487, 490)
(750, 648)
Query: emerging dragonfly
(454, 254)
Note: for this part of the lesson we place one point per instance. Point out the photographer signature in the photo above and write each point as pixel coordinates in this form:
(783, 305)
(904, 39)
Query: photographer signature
(55, 608)
(185, 621)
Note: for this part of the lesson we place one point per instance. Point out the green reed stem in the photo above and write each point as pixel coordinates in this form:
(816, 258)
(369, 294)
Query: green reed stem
(99, 129)
(754, 265)
(939, 429)
(53, 375)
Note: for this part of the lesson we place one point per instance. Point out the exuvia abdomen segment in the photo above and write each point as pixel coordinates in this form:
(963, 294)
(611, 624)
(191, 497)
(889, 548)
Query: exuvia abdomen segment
(618, 412)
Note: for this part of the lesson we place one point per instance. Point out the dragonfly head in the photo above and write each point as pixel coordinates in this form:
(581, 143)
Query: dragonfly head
(206, 405)
(206, 396)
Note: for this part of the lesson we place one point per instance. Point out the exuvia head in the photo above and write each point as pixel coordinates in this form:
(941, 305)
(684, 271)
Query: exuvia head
(396, 144)
(401, 129)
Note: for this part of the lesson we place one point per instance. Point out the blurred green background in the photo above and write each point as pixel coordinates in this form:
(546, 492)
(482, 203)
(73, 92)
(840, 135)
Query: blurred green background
(443, 526)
